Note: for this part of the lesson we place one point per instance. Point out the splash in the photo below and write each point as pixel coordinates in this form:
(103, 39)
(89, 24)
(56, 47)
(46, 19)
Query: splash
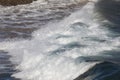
(61, 50)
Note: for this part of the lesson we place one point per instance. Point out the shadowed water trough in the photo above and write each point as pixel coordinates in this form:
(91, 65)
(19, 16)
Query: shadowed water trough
(20, 21)
(110, 9)
(7, 68)
(102, 71)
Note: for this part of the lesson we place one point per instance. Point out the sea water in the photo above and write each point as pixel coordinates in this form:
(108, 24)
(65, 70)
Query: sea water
(67, 44)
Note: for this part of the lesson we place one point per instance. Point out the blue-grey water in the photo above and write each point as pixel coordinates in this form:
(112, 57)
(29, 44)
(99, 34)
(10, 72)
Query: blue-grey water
(19, 23)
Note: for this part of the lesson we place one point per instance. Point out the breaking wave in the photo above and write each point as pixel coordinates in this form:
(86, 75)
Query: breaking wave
(65, 49)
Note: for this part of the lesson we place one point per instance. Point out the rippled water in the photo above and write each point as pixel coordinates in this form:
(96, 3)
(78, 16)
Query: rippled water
(57, 40)
(20, 21)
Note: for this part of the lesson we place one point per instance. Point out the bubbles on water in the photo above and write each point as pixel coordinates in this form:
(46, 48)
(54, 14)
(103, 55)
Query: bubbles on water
(57, 50)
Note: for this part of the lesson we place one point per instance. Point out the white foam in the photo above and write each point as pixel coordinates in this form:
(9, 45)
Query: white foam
(52, 55)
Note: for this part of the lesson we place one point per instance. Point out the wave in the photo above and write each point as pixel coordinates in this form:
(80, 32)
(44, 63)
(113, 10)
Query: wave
(21, 20)
(63, 50)
(102, 71)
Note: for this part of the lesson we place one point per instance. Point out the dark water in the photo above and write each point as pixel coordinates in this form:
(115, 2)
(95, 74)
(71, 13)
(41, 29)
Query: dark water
(110, 10)
(7, 68)
(103, 71)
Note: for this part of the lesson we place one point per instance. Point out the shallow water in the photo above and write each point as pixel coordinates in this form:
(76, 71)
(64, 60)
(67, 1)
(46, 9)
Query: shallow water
(57, 40)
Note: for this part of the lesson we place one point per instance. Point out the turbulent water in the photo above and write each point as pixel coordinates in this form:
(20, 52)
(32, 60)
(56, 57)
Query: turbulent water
(70, 40)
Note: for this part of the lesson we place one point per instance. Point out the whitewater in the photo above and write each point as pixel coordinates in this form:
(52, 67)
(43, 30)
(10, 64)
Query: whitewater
(64, 47)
